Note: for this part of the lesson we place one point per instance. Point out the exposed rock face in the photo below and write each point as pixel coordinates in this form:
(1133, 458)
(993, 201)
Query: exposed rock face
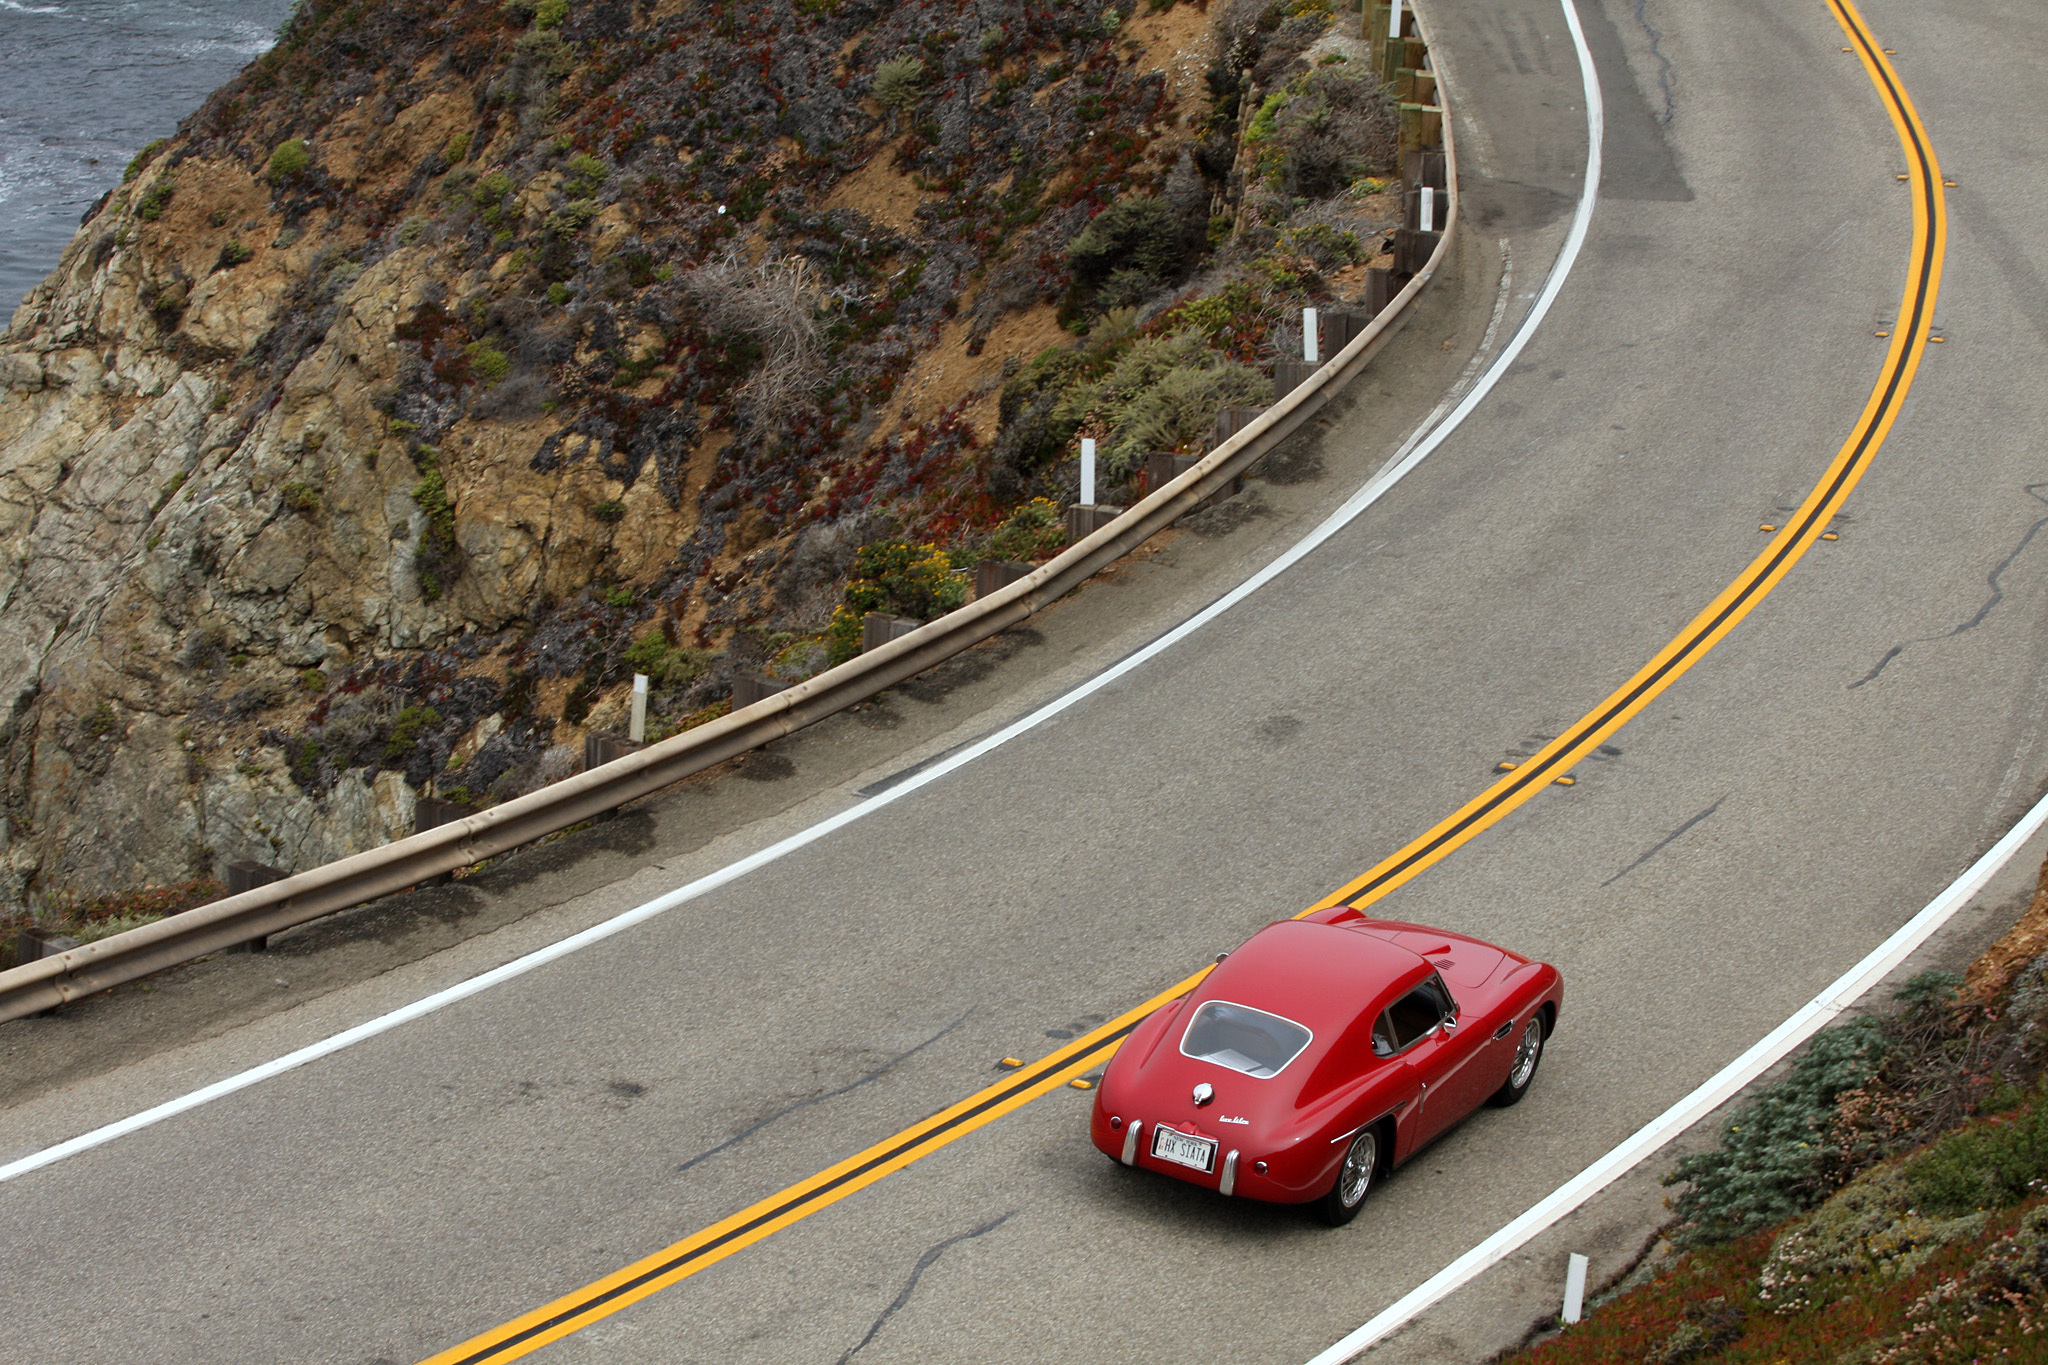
(317, 469)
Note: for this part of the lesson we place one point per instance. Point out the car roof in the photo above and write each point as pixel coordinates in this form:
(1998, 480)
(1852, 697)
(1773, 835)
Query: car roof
(1318, 975)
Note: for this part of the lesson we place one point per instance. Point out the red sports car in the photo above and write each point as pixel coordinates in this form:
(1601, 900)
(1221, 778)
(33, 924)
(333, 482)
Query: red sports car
(1322, 1054)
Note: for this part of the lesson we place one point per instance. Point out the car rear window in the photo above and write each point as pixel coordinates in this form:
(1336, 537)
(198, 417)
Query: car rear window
(1243, 1039)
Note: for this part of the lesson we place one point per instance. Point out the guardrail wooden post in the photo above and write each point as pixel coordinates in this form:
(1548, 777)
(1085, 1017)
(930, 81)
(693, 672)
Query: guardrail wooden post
(1343, 324)
(993, 575)
(878, 628)
(1085, 519)
(1424, 166)
(1380, 289)
(748, 688)
(1422, 125)
(33, 945)
(431, 812)
(1164, 466)
(598, 750)
(1230, 421)
(1289, 375)
(1424, 209)
(246, 874)
(1412, 251)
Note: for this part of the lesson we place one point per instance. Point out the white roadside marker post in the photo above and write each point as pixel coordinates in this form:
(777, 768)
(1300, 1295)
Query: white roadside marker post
(1311, 340)
(1087, 471)
(1394, 21)
(1575, 1288)
(638, 729)
(1428, 214)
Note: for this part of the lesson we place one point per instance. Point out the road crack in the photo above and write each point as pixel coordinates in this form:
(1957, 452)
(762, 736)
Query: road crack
(2033, 491)
(1993, 579)
(1663, 62)
(884, 1069)
(924, 1263)
(1663, 843)
(1894, 652)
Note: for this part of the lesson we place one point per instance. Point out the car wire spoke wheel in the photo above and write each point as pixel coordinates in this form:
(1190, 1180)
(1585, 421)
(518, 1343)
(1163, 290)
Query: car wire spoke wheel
(1522, 1069)
(1360, 1167)
(1526, 1055)
(1359, 1164)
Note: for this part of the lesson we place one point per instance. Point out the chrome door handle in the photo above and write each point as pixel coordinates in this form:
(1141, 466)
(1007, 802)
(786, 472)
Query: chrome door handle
(1503, 1030)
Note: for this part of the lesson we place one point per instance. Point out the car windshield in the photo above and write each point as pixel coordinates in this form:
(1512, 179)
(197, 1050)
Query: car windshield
(1243, 1039)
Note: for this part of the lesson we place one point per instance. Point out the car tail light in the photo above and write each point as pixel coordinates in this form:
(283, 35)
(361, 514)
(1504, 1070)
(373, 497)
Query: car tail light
(1258, 1168)
(1131, 1143)
(1115, 1123)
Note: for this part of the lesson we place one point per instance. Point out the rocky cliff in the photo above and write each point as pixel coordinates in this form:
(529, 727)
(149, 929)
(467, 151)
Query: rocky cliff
(460, 358)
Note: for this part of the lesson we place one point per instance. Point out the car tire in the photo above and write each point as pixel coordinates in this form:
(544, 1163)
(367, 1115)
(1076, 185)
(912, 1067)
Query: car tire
(1522, 1070)
(1355, 1178)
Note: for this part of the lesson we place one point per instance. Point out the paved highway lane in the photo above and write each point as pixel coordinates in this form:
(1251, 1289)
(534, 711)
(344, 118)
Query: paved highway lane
(1697, 375)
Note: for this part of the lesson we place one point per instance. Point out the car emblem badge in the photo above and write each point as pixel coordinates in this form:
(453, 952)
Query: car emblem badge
(1204, 1093)
(1232, 1118)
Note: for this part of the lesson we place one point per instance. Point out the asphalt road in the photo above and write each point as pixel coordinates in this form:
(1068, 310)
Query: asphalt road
(1832, 764)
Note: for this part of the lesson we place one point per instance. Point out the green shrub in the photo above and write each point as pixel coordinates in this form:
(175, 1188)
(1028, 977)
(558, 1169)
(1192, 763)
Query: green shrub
(1136, 242)
(611, 512)
(412, 229)
(1767, 1167)
(897, 577)
(487, 362)
(1035, 529)
(645, 654)
(1162, 394)
(313, 681)
(457, 148)
(1318, 134)
(406, 730)
(572, 218)
(152, 204)
(142, 158)
(899, 82)
(559, 294)
(1990, 1165)
(436, 560)
(490, 190)
(232, 255)
(586, 173)
(302, 498)
(550, 13)
(290, 161)
(1329, 247)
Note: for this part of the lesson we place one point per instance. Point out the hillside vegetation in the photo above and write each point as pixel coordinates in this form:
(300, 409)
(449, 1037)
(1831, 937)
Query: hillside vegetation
(1884, 1204)
(460, 359)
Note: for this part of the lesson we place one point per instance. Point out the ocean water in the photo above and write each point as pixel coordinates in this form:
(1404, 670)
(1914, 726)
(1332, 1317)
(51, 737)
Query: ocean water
(84, 85)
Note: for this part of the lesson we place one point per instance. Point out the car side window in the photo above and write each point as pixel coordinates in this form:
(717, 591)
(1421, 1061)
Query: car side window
(1446, 1005)
(1408, 1019)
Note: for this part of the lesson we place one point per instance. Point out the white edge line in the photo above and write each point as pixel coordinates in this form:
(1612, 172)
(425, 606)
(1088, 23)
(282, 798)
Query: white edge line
(1374, 489)
(1723, 1086)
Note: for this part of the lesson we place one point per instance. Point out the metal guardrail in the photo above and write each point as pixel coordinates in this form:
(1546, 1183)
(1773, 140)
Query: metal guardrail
(237, 919)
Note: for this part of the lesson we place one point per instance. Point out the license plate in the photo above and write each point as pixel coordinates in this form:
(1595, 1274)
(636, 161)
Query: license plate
(1184, 1149)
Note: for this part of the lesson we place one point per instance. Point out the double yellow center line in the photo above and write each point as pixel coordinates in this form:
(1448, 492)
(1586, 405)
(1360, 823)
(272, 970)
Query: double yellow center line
(575, 1311)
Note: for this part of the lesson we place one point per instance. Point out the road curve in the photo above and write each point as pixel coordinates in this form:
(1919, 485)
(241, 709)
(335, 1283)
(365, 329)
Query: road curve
(1791, 799)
